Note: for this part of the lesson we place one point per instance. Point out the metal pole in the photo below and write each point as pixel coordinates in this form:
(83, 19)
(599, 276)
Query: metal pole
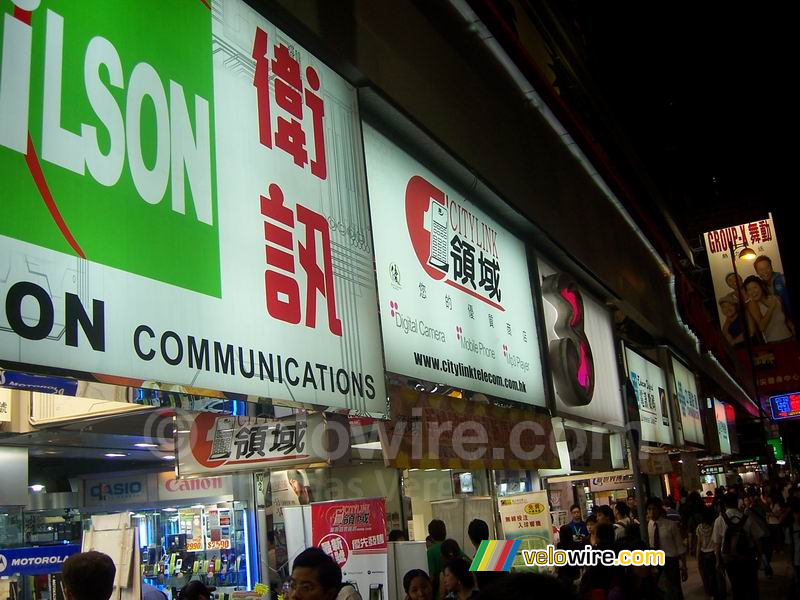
(749, 346)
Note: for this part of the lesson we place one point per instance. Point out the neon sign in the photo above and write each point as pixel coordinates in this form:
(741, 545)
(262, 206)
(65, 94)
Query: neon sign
(785, 407)
(571, 353)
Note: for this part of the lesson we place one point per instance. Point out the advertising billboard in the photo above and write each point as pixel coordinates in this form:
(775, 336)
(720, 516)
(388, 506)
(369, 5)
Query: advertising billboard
(185, 203)
(685, 386)
(786, 406)
(583, 359)
(763, 285)
(650, 388)
(353, 533)
(768, 313)
(526, 517)
(723, 432)
(455, 295)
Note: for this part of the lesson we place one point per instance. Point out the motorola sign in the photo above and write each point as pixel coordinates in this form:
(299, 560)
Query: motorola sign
(35, 561)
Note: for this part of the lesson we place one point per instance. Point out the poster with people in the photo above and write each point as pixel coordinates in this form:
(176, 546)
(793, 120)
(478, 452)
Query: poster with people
(755, 292)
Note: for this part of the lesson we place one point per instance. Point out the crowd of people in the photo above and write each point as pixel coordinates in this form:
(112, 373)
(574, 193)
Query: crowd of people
(732, 533)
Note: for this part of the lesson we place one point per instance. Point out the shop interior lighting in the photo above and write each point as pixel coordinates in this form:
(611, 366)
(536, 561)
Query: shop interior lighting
(368, 446)
(115, 455)
(146, 445)
(170, 509)
(36, 487)
(169, 457)
(747, 253)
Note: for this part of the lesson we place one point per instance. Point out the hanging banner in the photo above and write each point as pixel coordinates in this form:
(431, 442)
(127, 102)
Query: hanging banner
(650, 389)
(353, 533)
(207, 444)
(455, 294)
(526, 517)
(439, 432)
(685, 386)
(763, 285)
(184, 202)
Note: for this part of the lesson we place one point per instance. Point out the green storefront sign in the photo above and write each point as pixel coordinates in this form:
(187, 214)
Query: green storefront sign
(114, 136)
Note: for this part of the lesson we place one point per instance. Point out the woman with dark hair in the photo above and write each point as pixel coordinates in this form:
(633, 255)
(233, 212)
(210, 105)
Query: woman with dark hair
(766, 311)
(417, 585)
(601, 577)
(706, 558)
(459, 583)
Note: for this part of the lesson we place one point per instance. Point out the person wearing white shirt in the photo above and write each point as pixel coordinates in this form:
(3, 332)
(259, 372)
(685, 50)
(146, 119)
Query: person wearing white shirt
(665, 534)
(741, 569)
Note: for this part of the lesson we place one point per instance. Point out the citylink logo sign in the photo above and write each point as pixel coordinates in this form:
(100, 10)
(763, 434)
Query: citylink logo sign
(107, 137)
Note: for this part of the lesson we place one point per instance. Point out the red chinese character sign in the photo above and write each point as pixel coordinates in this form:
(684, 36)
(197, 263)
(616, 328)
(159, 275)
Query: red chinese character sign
(454, 285)
(353, 533)
(218, 238)
(757, 303)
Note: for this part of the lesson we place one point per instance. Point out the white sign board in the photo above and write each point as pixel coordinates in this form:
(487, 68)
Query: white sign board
(189, 207)
(594, 327)
(208, 444)
(455, 295)
(650, 388)
(722, 427)
(686, 390)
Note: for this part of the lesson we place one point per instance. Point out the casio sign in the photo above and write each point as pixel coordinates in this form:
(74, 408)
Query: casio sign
(116, 491)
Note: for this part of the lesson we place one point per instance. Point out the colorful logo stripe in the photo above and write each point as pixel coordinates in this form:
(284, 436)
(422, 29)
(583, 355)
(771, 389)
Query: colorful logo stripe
(495, 555)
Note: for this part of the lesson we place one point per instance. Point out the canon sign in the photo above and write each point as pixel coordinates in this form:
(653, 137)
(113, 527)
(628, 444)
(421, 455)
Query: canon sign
(193, 485)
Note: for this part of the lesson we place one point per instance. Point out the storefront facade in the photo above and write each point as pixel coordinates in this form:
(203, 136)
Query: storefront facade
(318, 254)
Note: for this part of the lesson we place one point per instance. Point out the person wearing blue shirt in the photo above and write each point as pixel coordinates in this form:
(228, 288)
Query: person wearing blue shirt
(776, 283)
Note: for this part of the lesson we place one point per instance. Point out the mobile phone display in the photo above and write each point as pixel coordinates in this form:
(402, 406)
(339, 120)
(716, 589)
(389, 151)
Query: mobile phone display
(438, 257)
(223, 439)
(376, 591)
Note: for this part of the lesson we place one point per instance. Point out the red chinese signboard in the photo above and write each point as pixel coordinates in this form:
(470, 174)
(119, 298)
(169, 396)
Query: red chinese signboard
(349, 527)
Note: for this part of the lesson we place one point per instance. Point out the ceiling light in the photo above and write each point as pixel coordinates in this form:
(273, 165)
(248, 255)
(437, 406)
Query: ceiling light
(36, 487)
(170, 509)
(146, 445)
(115, 455)
(747, 254)
(168, 457)
(368, 446)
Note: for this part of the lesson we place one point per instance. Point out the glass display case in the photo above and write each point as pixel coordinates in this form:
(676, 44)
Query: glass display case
(199, 542)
